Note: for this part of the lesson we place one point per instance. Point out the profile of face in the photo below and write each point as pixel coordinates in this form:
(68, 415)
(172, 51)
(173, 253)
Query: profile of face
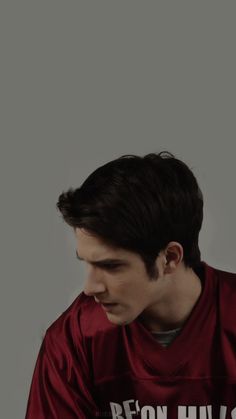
(119, 277)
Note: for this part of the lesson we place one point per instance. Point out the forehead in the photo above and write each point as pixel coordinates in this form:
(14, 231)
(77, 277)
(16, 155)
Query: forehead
(92, 247)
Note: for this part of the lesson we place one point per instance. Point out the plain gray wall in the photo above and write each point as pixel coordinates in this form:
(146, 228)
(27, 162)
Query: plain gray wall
(83, 82)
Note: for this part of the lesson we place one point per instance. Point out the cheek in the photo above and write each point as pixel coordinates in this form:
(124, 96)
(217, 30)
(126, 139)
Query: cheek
(134, 302)
(129, 288)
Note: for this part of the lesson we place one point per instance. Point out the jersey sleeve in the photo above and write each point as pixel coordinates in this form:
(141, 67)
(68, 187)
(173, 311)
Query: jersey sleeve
(61, 386)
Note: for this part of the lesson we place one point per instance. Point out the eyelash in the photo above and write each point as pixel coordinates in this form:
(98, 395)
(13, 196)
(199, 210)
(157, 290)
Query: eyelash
(110, 267)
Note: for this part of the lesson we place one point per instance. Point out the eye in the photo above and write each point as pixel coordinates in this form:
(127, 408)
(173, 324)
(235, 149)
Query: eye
(111, 267)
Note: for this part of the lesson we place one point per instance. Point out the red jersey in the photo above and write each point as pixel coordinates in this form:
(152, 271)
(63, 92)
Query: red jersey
(89, 368)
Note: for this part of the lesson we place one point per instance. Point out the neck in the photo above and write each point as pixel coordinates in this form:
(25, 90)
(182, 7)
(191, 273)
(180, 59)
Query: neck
(181, 294)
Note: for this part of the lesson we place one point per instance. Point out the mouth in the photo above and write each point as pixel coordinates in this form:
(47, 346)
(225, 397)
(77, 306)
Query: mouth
(108, 306)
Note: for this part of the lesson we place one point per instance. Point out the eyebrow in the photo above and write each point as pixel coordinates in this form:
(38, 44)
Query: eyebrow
(106, 261)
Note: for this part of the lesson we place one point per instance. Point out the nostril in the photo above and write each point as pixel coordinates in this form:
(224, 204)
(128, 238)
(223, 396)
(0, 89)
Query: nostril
(88, 292)
(92, 289)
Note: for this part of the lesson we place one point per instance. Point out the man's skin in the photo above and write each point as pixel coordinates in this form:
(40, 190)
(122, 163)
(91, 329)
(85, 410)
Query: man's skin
(118, 276)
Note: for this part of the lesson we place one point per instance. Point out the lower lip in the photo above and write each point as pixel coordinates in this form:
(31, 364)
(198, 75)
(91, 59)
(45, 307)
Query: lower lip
(108, 307)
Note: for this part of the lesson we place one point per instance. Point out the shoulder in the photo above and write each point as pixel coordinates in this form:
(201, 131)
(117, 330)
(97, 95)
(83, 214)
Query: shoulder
(227, 291)
(226, 296)
(83, 318)
(226, 280)
(223, 278)
(220, 284)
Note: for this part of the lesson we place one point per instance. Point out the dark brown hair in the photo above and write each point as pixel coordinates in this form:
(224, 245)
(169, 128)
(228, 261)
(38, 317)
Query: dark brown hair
(140, 204)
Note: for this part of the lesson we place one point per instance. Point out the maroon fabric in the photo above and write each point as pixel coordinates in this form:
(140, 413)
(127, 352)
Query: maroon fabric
(89, 368)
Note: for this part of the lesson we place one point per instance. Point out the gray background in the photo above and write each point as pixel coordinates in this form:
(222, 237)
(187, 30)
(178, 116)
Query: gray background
(83, 82)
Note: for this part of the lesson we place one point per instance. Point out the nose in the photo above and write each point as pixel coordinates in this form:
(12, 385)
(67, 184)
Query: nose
(94, 284)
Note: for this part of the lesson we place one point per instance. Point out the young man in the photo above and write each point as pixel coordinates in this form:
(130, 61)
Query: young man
(153, 334)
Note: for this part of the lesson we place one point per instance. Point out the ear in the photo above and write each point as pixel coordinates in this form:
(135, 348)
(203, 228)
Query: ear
(173, 255)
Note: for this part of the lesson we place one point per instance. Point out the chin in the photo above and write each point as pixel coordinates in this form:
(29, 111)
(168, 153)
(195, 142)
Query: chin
(118, 321)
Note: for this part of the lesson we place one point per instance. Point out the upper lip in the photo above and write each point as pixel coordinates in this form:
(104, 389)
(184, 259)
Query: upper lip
(103, 302)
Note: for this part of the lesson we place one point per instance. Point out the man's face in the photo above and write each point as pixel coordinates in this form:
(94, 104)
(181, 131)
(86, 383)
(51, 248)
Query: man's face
(119, 277)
